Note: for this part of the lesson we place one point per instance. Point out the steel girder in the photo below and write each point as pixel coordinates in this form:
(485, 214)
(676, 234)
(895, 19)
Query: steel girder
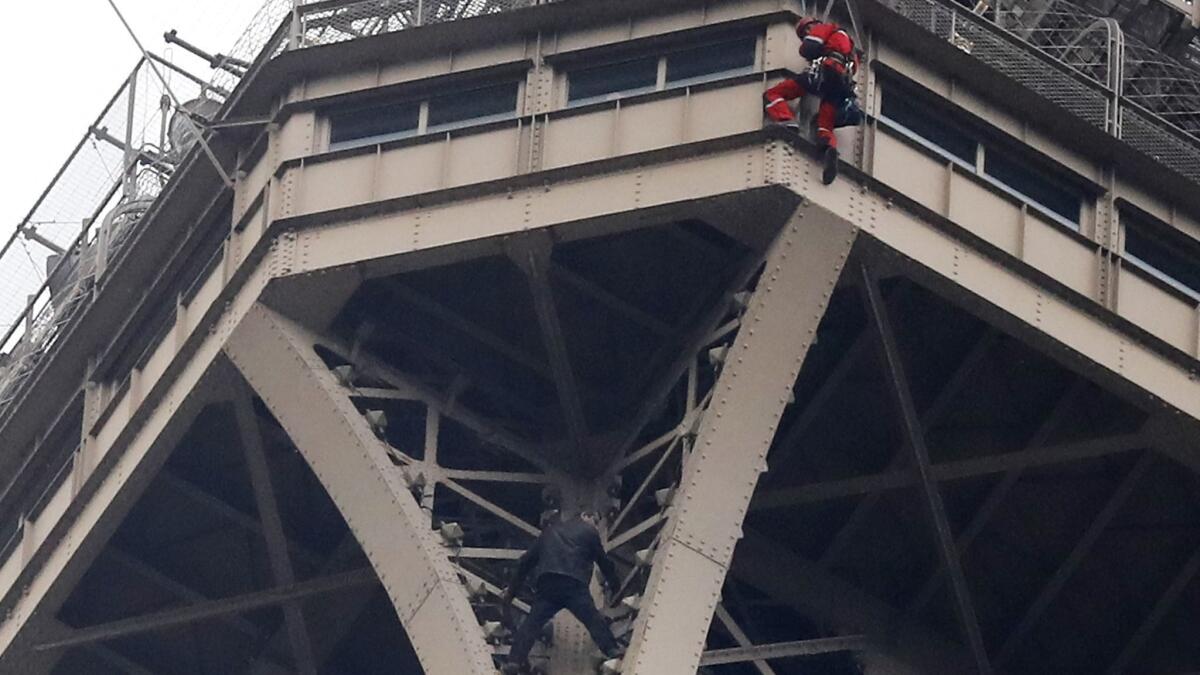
(276, 357)
(720, 476)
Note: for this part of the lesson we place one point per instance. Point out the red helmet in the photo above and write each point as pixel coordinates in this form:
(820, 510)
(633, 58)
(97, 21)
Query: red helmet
(804, 24)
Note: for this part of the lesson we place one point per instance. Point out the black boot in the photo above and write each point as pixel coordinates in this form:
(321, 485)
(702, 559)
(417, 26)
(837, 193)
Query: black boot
(830, 169)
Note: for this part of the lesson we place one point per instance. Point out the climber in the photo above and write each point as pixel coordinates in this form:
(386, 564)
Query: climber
(561, 560)
(833, 63)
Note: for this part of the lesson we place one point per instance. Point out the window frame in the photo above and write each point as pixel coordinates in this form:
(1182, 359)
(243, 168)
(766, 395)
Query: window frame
(662, 54)
(984, 144)
(1128, 214)
(423, 128)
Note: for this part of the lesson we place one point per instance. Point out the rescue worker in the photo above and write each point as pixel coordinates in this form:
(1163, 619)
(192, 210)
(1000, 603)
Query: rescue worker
(833, 63)
(561, 560)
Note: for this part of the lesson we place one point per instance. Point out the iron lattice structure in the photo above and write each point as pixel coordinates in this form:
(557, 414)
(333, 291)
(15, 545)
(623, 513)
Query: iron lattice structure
(904, 423)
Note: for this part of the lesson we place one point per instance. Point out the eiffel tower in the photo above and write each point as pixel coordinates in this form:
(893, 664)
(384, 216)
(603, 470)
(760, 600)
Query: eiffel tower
(405, 281)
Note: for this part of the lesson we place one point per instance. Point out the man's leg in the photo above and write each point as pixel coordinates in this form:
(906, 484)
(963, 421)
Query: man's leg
(543, 610)
(579, 602)
(826, 121)
(776, 99)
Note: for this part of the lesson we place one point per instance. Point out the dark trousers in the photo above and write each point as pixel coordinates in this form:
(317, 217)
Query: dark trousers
(557, 592)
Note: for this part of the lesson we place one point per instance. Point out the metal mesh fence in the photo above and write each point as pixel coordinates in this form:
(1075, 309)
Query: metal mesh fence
(1160, 108)
(48, 265)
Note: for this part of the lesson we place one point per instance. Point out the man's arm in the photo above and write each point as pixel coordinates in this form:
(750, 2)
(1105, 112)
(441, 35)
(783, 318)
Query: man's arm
(607, 569)
(524, 565)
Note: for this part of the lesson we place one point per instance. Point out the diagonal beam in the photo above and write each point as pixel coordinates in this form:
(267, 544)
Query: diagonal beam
(1164, 605)
(608, 299)
(338, 614)
(752, 390)
(265, 499)
(202, 497)
(482, 335)
(491, 507)
(782, 650)
(171, 618)
(997, 495)
(277, 357)
(487, 429)
(1060, 453)
(532, 256)
(1072, 562)
(792, 580)
(916, 442)
(741, 638)
(937, 409)
(175, 588)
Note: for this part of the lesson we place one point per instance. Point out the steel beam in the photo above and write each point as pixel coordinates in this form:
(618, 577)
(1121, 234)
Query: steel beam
(790, 579)
(915, 436)
(210, 610)
(268, 512)
(754, 386)
(782, 650)
(739, 636)
(277, 358)
(1072, 562)
(996, 497)
(1166, 602)
(929, 417)
(1060, 453)
(531, 253)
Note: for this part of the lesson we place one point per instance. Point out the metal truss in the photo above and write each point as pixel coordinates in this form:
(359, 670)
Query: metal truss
(693, 552)
(278, 359)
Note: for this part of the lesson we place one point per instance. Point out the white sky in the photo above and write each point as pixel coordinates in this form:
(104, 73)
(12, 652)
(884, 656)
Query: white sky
(62, 61)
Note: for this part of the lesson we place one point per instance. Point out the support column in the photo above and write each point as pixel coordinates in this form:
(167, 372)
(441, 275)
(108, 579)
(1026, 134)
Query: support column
(780, 324)
(276, 357)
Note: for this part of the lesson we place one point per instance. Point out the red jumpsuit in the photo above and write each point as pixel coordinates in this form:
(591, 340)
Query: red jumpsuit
(832, 50)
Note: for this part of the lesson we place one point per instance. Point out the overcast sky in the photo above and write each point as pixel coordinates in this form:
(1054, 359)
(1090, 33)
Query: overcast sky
(63, 61)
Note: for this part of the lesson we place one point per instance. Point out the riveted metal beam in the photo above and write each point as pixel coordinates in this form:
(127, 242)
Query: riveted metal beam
(689, 566)
(902, 394)
(782, 650)
(1059, 453)
(277, 358)
(1164, 605)
(216, 608)
(272, 524)
(758, 661)
(1073, 560)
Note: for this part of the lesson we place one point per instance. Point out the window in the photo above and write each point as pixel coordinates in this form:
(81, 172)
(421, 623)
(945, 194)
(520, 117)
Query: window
(925, 122)
(393, 121)
(712, 61)
(928, 126)
(701, 63)
(609, 81)
(375, 125)
(1164, 252)
(480, 105)
(1036, 185)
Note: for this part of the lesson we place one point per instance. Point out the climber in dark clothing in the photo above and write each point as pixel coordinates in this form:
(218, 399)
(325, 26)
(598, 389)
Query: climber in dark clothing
(561, 561)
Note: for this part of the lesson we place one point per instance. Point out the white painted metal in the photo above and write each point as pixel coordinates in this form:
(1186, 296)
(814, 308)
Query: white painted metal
(276, 357)
(731, 448)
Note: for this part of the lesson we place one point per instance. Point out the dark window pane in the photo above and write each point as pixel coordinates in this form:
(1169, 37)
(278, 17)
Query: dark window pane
(711, 60)
(1174, 254)
(372, 122)
(492, 101)
(613, 78)
(926, 122)
(1040, 186)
